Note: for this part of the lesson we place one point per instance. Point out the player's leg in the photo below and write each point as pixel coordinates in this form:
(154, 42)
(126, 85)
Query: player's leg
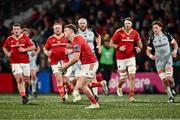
(26, 75)
(33, 82)
(162, 68)
(17, 72)
(77, 75)
(95, 89)
(88, 72)
(59, 80)
(121, 65)
(169, 80)
(131, 63)
(97, 84)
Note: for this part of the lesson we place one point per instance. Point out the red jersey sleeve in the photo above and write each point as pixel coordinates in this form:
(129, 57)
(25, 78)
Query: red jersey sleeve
(76, 46)
(137, 37)
(115, 36)
(28, 41)
(6, 44)
(47, 45)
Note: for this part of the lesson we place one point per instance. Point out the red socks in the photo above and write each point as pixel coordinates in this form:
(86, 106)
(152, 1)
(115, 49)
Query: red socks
(61, 91)
(93, 100)
(96, 84)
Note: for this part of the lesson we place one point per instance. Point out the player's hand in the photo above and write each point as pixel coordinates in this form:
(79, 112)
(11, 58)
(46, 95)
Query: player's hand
(63, 66)
(21, 49)
(68, 45)
(99, 49)
(48, 53)
(174, 53)
(122, 48)
(138, 50)
(152, 57)
(8, 54)
(67, 51)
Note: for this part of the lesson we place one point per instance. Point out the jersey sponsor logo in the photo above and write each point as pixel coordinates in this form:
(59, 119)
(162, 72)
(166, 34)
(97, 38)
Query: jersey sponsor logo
(18, 45)
(127, 40)
(76, 47)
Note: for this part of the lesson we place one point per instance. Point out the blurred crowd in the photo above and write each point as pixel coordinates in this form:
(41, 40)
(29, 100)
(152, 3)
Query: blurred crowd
(105, 16)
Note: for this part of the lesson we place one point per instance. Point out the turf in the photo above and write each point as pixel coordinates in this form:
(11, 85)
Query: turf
(49, 106)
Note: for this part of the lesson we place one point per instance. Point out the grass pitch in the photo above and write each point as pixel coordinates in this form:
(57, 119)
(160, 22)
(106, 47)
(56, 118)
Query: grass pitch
(49, 106)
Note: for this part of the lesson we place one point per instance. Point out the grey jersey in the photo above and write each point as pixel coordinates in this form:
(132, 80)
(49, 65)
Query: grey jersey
(89, 36)
(161, 45)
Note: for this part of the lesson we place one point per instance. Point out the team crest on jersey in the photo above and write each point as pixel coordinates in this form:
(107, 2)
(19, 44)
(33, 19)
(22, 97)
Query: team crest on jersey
(76, 47)
(21, 40)
(133, 35)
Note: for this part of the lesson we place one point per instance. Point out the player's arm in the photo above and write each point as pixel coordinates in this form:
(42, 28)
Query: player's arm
(97, 39)
(139, 46)
(30, 45)
(149, 54)
(175, 48)
(29, 48)
(7, 52)
(98, 42)
(47, 52)
(37, 49)
(113, 45)
(75, 58)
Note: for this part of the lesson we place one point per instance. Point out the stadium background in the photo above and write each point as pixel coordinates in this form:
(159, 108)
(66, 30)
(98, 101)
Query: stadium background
(104, 15)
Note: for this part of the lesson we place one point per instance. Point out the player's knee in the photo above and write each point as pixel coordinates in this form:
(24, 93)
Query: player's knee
(166, 82)
(80, 87)
(131, 69)
(132, 76)
(123, 76)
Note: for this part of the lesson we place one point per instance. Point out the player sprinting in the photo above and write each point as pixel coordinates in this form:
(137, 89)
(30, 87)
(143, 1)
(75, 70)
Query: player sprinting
(32, 61)
(16, 47)
(123, 41)
(90, 35)
(55, 48)
(162, 42)
(88, 60)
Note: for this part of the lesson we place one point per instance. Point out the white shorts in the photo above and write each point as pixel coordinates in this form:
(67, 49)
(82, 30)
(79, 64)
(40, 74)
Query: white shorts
(33, 65)
(55, 69)
(167, 72)
(127, 64)
(21, 68)
(89, 70)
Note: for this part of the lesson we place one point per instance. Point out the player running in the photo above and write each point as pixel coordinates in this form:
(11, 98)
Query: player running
(55, 48)
(88, 60)
(90, 35)
(32, 61)
(161, 43)
(123, 41)
(16, 47)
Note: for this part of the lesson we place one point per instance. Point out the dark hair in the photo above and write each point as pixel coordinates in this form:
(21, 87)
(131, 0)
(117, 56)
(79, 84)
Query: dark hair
(156, 22)
(16, 25)
(72, 26)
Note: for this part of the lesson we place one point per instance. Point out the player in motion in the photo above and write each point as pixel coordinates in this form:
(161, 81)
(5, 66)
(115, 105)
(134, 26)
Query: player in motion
(161, 43)
(123, 41)
(55, 48)
(90, 35)
(32, 61)
(16, 47)
(88, 60)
